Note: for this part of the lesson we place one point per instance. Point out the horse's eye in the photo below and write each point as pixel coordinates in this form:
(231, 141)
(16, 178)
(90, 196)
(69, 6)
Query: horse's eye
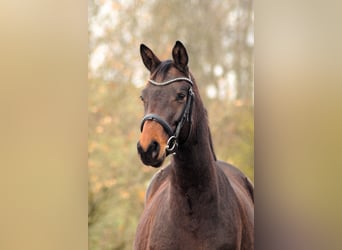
(141, 98)
(180, 97)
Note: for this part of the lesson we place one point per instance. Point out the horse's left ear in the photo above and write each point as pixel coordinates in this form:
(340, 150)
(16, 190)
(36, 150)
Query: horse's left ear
(180, 56)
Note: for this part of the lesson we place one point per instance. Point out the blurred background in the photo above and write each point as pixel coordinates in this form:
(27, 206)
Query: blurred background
(43, 94)
(219, 38)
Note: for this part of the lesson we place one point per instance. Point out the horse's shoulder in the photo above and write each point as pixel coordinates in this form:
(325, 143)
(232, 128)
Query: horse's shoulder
(157, 179)
(235, 174)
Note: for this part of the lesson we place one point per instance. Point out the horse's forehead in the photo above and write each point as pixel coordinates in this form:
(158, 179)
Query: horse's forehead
(171, 73)
(160, 93)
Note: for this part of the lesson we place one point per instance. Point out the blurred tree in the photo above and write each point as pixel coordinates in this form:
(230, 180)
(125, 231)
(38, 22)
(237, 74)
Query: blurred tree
(219, 39)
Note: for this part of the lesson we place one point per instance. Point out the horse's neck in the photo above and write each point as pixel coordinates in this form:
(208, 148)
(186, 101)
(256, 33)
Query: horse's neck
(194, 164)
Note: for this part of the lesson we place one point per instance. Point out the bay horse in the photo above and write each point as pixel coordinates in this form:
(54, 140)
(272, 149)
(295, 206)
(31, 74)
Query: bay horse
(196, 202)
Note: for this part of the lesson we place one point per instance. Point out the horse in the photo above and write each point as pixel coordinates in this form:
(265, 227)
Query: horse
(196, 202)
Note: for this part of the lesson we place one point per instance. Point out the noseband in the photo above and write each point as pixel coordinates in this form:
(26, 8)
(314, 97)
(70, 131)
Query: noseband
(173, 141)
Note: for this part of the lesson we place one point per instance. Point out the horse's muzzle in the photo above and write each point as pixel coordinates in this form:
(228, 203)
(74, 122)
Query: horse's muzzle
(150, 156)
(152, 143)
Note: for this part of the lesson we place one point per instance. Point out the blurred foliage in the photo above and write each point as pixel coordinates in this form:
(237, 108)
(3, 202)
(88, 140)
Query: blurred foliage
(217, 35)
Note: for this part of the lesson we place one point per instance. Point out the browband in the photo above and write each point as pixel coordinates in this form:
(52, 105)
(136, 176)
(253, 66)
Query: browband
(171, 81)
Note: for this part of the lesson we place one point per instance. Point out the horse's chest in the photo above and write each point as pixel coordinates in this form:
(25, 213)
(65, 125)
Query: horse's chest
(181, 226)
(187, 241)
(187, 233)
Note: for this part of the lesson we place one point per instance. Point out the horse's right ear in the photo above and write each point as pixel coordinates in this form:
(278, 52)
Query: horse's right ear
(150, 60)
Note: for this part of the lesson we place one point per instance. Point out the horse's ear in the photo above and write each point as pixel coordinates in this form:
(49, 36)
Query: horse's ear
(150, 60)
(180, 56)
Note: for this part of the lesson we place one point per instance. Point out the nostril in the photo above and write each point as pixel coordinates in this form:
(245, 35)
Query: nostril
(154, 149)
(154, 145)
(139, 148)
(150, 154)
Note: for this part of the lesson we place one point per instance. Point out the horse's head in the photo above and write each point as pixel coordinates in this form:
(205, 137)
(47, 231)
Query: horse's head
(167, 99)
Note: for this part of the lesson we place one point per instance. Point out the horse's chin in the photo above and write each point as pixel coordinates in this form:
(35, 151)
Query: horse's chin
(154, 163)
(157, 164)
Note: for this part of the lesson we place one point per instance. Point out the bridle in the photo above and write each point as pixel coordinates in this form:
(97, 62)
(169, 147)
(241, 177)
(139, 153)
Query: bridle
(173, 141)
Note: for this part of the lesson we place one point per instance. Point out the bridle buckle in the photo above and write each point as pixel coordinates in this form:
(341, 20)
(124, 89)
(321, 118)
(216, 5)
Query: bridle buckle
(171, 145)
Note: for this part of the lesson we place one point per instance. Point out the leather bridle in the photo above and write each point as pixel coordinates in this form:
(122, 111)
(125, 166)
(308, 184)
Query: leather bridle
(173, 141)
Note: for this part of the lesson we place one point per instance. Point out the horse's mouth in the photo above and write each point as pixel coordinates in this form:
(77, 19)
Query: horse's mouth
(156, 163)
